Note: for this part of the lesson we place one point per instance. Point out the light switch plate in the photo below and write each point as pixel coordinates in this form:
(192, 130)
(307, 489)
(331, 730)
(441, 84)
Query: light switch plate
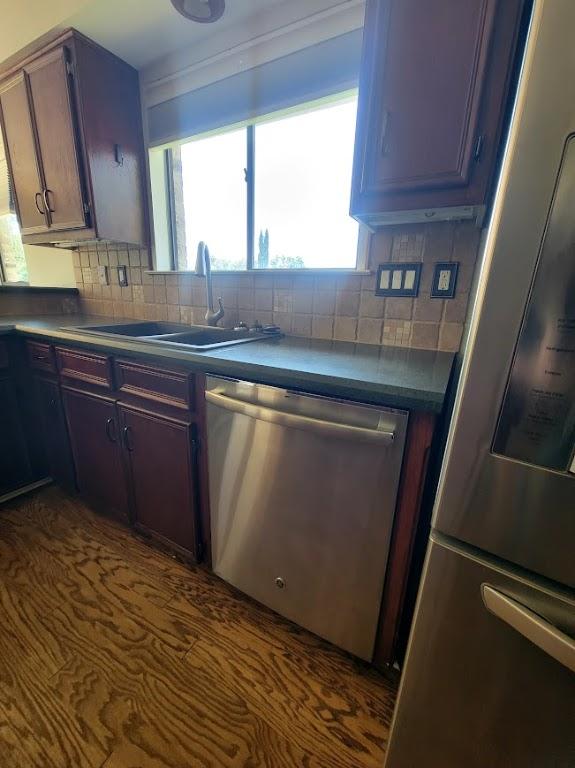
(394, 279)
(444, 280)
(103, 278)
(123, 276)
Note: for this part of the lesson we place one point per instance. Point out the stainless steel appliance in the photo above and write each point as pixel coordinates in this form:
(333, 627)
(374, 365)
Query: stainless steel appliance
(302, 499)
(490, 671)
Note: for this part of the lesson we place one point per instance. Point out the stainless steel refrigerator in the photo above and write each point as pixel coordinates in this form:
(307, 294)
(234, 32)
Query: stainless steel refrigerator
(489, 679)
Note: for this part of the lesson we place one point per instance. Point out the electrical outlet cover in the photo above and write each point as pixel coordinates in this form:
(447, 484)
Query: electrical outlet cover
(444, 280)
(123, 276)
(103, 278)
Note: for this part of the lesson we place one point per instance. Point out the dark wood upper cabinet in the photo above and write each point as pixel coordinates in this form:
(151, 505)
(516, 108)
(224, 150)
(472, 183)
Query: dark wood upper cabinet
(434, 86)
(51, 100)
(71, 120)
(18, 131)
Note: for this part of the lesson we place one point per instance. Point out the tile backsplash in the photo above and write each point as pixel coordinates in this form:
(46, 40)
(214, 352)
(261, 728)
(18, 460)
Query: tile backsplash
(341, 307)
(37, 302)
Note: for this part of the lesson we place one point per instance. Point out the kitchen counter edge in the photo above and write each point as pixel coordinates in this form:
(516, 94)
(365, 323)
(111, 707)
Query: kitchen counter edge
(408, 394)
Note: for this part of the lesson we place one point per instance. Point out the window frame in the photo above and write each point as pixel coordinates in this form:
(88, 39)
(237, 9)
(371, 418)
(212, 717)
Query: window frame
(362, 252)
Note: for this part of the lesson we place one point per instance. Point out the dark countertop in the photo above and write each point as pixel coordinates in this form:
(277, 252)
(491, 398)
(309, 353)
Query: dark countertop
(34, 290)
(393, 376)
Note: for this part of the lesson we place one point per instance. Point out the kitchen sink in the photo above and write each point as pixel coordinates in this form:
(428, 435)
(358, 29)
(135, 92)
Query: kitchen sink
(200, 336)
(145, 329)
(178, 335)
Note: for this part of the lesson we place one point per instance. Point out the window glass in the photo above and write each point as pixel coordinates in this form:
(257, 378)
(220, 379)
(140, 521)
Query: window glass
(302, 184)
(14, 267)
(215, 198)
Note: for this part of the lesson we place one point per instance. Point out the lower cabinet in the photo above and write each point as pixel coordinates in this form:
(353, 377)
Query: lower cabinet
(132, 431)
(55, 432)
(161, 468)
(95, 439)
(22, 454)
(15, 467)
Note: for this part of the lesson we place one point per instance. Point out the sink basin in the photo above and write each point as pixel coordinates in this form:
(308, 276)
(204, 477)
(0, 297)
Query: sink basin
(177, 335)
(138, 330)
(200, 336)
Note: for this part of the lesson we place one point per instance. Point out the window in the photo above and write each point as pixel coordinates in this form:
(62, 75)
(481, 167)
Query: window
(13, 267)
(273, 194)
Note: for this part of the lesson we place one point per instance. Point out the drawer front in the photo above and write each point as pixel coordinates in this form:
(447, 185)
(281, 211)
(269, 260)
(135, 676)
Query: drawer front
(41, 356)
(160, 385)
(85, 366)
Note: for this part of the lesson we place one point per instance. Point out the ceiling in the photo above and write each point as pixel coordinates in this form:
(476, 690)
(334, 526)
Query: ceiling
(24, 21)
(139, 31)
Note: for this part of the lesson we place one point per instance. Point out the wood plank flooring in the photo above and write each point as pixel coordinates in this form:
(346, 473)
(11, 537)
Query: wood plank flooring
(113, 655)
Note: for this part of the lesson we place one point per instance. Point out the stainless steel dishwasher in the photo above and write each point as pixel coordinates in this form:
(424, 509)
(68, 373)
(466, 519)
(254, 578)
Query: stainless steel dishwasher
(302, 497)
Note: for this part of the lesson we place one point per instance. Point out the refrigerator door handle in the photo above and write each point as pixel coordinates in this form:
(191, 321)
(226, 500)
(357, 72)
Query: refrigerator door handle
(541, 633)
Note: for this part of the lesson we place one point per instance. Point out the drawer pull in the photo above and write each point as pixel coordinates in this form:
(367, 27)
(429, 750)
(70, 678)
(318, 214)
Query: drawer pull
(111, 431)
(127, 439)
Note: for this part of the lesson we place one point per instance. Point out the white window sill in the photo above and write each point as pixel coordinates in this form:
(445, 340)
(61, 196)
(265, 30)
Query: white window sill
(298, 272)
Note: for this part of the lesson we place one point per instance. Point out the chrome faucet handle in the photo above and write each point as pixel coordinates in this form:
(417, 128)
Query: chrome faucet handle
(213, 318)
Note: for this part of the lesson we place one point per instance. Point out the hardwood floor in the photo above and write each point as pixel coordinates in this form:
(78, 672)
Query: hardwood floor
(114, 655)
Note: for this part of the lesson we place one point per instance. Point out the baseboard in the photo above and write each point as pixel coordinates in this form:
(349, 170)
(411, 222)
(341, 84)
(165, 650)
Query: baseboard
(25, 489)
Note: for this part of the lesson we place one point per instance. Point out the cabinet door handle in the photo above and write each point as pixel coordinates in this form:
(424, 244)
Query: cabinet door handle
(385, 121)
(47, 205)
(39, 357)
(111, 430)
(127, 440)
(41, 211)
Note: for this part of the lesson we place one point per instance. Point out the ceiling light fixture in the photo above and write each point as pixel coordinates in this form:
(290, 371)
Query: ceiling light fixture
(202, 11)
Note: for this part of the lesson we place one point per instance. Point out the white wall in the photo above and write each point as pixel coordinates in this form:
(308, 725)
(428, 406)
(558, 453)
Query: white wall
(23, 22)
(283, 28)
(52, 267)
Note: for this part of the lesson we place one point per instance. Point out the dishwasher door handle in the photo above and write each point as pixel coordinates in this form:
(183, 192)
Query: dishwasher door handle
(294, 420)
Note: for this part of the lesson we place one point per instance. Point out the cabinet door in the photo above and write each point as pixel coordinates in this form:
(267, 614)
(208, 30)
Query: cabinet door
(15, 469)
(431, 66)
(94, 435)
(434, 82)
(19, 143)
(55, 433)
(53, 110)
(161, 465)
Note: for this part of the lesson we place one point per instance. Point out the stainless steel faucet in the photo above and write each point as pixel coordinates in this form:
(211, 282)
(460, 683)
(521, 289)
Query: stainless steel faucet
(204, 267)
